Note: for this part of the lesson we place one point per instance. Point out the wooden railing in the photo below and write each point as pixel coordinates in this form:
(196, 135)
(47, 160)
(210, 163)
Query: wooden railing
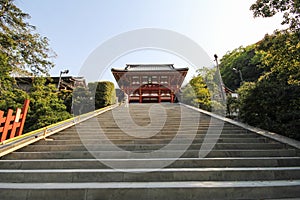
(11, 145)
(13, 124)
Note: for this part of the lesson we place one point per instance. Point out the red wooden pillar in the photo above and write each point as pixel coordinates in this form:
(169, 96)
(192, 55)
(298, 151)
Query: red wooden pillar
(159, 94)
(2, 120)
(23, 115)
(140, 95)
(16, 124)
(7, 125)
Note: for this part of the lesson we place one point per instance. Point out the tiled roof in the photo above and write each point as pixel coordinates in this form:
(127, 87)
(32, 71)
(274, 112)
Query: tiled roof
(149, 67)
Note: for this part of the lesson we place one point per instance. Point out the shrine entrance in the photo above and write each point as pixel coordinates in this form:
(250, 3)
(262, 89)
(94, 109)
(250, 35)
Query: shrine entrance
(150, 83)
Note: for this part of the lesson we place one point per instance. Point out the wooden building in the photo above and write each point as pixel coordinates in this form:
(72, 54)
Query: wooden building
(66, 83)
(150, 82)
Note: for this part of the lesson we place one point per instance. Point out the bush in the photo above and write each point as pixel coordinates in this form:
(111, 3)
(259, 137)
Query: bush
(105, 94)
(46, 107)
(272, 105)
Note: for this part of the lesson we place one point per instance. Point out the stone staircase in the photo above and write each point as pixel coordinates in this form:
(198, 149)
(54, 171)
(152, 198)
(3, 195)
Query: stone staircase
(152, 151)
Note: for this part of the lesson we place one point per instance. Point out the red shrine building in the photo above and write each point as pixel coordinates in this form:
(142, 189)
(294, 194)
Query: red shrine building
(150, 82)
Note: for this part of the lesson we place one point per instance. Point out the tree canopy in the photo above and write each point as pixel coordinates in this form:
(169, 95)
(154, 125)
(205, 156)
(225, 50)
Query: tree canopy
(270, 98)
(197, 94)
(289, 8)
(24, 52)
(242, 60)
(46, 107)
(203, 91)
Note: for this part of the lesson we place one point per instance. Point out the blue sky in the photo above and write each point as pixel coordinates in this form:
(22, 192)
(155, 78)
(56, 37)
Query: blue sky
(76, 28)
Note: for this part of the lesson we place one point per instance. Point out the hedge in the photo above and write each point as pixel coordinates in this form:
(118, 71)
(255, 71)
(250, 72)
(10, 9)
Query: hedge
(105, 94)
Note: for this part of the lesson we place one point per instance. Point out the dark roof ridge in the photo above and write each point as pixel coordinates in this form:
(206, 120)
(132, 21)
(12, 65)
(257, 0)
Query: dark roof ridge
(128, 66)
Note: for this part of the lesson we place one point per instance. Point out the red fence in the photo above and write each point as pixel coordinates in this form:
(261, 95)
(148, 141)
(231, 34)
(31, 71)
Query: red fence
(13, 125)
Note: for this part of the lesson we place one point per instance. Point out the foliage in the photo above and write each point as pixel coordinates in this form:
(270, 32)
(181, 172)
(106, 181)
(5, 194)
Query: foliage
(213, 83)
(23, 52)
(45, 106)
(189, 96)
(82, 101)
(97, 95)
(289, 8)
(10, 95)
(66, 96)
(272, 101)
(92, 87)
(104, 93)
(272, 105)
(25, 49)
(245, 94)
(277, 91)
(202, 90)
(202, 93)
(232, 107)
(243, 59)
(280, 55)
(210, 77)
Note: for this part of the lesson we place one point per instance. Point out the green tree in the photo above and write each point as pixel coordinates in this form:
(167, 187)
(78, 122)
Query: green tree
(247, 102)
(25, 49)
(243, 59)
(10, 95)
(92, 87)
(280, 55)
(212, 81)
(271, 105)
(45, 106)
(66, 96)
(289, 8)
(273, 102)
(104, 93)
(188, 96)
(20, 48)
(203, 91)
(82, 101)
(203, 99)
(24, 52)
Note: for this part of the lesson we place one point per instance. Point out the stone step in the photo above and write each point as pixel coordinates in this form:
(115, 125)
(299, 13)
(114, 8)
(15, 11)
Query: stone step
(182, 190)
(149, 175)
(145, 129)
(157, 136)
(149, 141)
(144, 154)
(133, 147)
(165, 128)
(139, 163)
(241, 165)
